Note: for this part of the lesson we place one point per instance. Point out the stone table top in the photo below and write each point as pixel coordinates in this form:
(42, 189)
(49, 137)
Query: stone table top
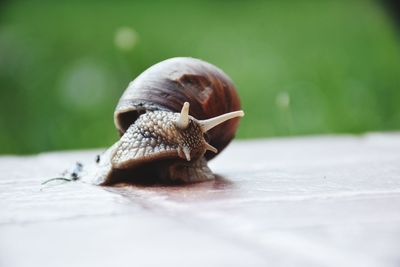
(305, 201)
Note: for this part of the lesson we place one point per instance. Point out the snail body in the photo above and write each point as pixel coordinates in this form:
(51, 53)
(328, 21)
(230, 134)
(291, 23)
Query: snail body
(172, 119)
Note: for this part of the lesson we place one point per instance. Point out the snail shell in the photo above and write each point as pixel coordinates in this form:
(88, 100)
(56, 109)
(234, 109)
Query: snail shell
(172, 82)
(172, 119)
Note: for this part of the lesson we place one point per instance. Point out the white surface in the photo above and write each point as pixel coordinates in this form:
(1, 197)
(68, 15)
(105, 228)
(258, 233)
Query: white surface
(315, 201)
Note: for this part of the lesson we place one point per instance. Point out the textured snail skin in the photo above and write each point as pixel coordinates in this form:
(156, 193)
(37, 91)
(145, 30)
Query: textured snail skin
(160, 141)
(155, 136)
(155, 149)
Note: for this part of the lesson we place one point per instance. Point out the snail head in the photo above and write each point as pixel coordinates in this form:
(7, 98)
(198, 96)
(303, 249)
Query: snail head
(158, 135)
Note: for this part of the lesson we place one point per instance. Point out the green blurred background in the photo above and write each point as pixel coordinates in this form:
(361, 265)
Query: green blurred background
(301, 67)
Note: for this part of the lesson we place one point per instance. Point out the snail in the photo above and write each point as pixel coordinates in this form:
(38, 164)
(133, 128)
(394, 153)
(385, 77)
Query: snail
(172, 119)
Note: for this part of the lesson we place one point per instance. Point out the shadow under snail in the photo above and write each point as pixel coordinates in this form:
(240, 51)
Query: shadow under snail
(172, 119)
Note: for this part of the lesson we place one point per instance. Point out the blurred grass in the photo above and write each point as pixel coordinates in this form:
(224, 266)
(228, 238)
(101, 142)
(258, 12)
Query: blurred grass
(301, 67)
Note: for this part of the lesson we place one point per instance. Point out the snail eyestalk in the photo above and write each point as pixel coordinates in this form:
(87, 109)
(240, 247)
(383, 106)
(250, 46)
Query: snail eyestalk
(207, 125)
(183, 120)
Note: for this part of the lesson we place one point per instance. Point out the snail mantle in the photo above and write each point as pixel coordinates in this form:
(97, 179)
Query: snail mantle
(172, 119)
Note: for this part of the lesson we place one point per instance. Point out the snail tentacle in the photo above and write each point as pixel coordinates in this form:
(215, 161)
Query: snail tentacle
(183, 119)
(208, 124)
(186, 151)
(210, 147)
